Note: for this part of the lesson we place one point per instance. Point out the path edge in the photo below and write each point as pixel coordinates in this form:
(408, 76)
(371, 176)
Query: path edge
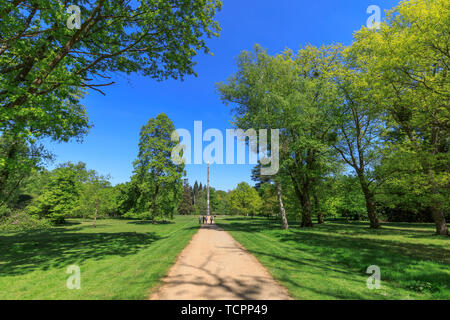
(152, 293)
(286, 291)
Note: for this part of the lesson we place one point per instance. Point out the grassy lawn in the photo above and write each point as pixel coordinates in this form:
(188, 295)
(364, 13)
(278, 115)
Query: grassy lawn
(120, 259)
(330, 261)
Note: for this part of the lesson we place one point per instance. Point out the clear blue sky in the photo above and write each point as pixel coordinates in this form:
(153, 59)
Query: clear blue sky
(111, 145)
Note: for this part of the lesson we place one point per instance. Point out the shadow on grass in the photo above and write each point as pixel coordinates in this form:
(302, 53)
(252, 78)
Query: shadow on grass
(147, 222)
(59, 247)
(345, 249)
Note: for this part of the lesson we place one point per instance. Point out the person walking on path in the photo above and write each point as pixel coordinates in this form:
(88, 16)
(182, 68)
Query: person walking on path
(199, 220)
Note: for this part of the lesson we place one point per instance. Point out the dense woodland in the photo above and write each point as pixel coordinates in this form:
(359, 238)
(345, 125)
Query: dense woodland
(364, 129)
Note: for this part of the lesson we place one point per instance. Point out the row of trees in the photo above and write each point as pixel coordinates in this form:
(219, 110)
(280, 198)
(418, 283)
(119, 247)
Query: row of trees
(379, 108)
(71, 190)
(46, 68)
(195, 197)
(243, 200)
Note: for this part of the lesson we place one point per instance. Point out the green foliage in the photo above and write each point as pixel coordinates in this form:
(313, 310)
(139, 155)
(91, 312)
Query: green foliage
(269, 205)
(97, 198)
(45, 67)
(407, 59)
(245, 200)
(61, 195)
(222, 206)
(379, 107)
(289, 92)
(156, 185)
(21, 221)
(18, 161)
(186, 206)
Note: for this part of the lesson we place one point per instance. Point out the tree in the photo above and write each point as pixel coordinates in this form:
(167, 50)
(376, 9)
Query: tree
(359, 127)
(341, 196)
(61, 195)
(18, 161)
(126, 197)
(195, 192)
(156, 179)
(222, 202)
(408, 61)
(43, 63)
(292, 93)
(186, 206)
(46, 68)
(201, 200)
(270, 205)
(263, 182)
(245, 200)
(95, 198)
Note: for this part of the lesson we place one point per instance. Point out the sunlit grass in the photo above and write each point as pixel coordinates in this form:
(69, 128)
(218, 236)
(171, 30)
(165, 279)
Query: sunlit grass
(330, 261)
(120, 259)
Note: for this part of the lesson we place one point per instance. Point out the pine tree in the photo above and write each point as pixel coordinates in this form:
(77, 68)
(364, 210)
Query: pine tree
(195, 192)
(186, 206)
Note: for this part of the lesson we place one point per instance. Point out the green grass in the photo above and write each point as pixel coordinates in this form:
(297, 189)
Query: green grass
(330, 261)
(120, 259)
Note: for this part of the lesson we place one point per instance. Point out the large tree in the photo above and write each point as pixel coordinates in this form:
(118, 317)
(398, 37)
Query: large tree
(359, 126)
(157, 179)
(409, 60)
(46, 68)
(289, 92)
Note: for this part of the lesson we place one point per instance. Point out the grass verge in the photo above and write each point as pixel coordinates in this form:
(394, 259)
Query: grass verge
(120, 259)
(330, 261)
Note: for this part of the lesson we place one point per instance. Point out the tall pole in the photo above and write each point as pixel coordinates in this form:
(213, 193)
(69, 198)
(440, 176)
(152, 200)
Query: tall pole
(207, 194)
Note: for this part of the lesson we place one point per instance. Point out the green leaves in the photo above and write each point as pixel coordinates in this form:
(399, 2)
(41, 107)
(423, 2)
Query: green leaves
(290, 92)
(157, 186)
(244, 200)
(61, 194)
(408, 63)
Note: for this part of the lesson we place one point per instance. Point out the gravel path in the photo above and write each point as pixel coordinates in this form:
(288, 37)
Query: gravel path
(216, 267)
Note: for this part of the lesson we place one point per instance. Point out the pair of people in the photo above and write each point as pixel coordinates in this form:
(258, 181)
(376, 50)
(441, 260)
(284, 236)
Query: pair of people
(204, 219)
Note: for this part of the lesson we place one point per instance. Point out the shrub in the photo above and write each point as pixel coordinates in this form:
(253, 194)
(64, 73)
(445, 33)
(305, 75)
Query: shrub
(21, 221)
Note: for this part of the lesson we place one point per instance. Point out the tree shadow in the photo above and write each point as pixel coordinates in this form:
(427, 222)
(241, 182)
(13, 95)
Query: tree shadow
(214, 286)
(346, 249)
(147, 222)
(58, 248)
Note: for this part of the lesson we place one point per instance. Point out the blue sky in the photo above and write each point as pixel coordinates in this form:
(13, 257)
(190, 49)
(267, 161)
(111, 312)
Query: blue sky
(111, 145)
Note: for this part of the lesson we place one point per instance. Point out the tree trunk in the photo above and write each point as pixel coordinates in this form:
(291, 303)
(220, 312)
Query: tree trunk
(320, 218)
(370, 205)
(316, 207)
(154, 205)
(96, 212)
(439, 221)
(280, 202)
(306, 212)
(303, 197)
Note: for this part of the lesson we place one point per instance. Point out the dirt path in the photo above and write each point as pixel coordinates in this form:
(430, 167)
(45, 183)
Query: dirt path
(216, 267)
